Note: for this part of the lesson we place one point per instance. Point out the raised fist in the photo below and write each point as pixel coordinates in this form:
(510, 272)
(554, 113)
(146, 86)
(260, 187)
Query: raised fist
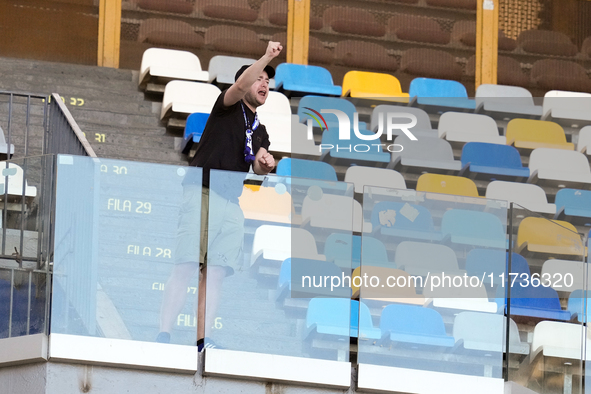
(273, 49)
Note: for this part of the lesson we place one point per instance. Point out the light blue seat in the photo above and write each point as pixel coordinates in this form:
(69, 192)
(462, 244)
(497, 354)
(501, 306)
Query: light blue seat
(318, 103)
(420, 227)
(494, 262)
(539, 302)
(193, 130)
(473, 228)
(493, 161)
(354, 150)
(571, 202)
(300, 168)
(345, 251)
(414, 325)
(305, 79)
(340, 317)
(440, 92)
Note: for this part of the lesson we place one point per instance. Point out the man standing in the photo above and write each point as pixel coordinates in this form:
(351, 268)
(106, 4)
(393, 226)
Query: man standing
(233, 140)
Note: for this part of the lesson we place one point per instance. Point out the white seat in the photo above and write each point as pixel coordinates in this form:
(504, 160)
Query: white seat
(565, 275)
(4, 145)
(584, 144)
(334, 212)
(275, 114)
(560, 340)
(465, 298)
(371, 176)
(185, 98)
(222, 69)
(421, 258)
(430, 154)
(563, 167)
(171, 64)
(559, 104)
(378, 116)
(529, 196)
(300, 143)
(507, 100)
(486, 332)
(464, 127)
(16, 179)
(276, 243)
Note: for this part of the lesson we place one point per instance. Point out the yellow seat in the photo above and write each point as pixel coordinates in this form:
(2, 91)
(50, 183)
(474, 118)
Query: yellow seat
(373, 85)
(265, 204)
(532, 134)
(555, 237)
(398, 286)
(447, 184)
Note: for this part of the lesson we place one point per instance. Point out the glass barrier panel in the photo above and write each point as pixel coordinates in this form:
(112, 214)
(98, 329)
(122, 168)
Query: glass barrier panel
(544, 294)
(126, 250)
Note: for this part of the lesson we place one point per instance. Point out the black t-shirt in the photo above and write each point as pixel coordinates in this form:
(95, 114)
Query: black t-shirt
(223, 140)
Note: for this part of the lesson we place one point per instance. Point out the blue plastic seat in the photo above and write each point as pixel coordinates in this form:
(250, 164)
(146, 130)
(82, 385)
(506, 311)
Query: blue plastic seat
(318, 103)
(345, 251)
(473, 228)
(571, 202)
(353, 150)
(539, 302)
(421, 227)
(414, 325)
(193, 130)
(440, 92)
(495, 161)
(300, 168)
(305, 79)
(494, 262)
(340, 317)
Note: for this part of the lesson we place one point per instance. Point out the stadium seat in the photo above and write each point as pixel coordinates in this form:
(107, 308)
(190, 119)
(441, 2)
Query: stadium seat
(404, 294)
(546, 42)
(526, 195)
(352, 151)
(170, 64)
(462, 127)
(266, 204)
(234, 39)
(417, 28)
(465, 32)
(371, 176)
(222, 69)
(414, 325)
(473, 228)
(569, 107)
(362, 54)
(193, 130)
(492, 161)
(300, 168)
(403, 220)
(563, 341)
(565, 275)
(340, 317)
(317, 51)
(345, 251)
(379, 118)
(16, 178)
(507, 101)
(492, 265)
(463, 4)
(315, 270)
(353, 21)
(275, 114)
(365, 84)
(552, 74)
(275, 12)
(174, 6)
(537, 302)
(555, 238)
(236, 10)
(422, 258)
(4, 145)
(169, 32)
(301, 144)
(318, 103)
(333, 212)
(571, 202)
(584, 144)
(298, 78)
(528, 134)
(425, 154)
(486, 333)
(447, 184)
(441, 93)
(430, 63)
(184, 98)
(559, 167)
(579, 306)
(459, 298)
(277, 243)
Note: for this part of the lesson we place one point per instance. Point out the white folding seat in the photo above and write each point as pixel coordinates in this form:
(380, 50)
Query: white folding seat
(334, 212)
(569, 107)
(464, 127)
(275, 114)
(430, 154)
(185, 98)
(171, 64)
(464, 298)
(558, 340)
(370, 176)
(529, 196)
(565, 275)
(4, 145)
(421, 258)
(301, 145)
(486, 332)
(507, 100)
(558, 166)
(15, 180)
(277, 243)
(584, 144)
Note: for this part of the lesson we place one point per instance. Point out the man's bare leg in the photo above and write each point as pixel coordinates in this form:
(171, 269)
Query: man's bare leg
(210, 293)
(175, 294)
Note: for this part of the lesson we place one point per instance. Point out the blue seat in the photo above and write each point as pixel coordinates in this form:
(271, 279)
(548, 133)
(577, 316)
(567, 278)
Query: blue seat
(318, 103)
(440, 92)
(340, 317)
(494, 161)
(300, 168)
(305, 79)
(193, 130)
(420, 227)
(538, 302)
(579, 305)
(493, 262)
(414, 325)
(354, 150)
(345, 251)
(571, 202)
(304, 276)
(473, 228)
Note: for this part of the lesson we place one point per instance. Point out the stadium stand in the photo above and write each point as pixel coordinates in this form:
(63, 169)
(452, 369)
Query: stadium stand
(14, 175)
(4, 146)
(333, 212)
(275, 12)
(551, 74)
(345, 250)
(463, 4)
(417, 28)
(526, 195)
(169, 32)
(380, 114)
(365, 55)
(238, 10)
(430, 63)
(353, 21)
(584, 144)
(317, 51)
(234, 39)
(465, 33)
(182, 98)
(379, 297)
(168, 64)
(266, 204)
(575, 271)
(546, 42)
(174, 6)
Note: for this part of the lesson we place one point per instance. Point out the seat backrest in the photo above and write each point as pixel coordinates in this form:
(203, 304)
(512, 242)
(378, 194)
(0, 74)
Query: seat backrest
(16, 178)
(495, 262)
(572, 274)
(411, 319)
(535, 131)
(467, 123)
(447, 184)
(561, 99)
(551, 233)
(223, 68)
(170, 59)
(370, 83)
(501, 93)
(301, 168)
(558, 335)
(319, 103)
(584, 140)
(425, 148)
(195, 124)
(423, 221)
(371, 176)
(574, 199)
(303, 74)
(380, 115)
(484, 328)
(491, 155)
(519, 193)
(482, 228)
(525, 295)
(412, 255)
(429, 87)
(277, 104)
(266, 204)
(194, 93)
(331, 211)
(405, 289)
(279, 240)
(559, 160)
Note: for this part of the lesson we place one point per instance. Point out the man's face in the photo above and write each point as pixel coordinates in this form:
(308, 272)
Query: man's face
(257, 95)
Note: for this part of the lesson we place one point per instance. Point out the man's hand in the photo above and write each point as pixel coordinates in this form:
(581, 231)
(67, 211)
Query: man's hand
(273, 49)
(263, 163)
